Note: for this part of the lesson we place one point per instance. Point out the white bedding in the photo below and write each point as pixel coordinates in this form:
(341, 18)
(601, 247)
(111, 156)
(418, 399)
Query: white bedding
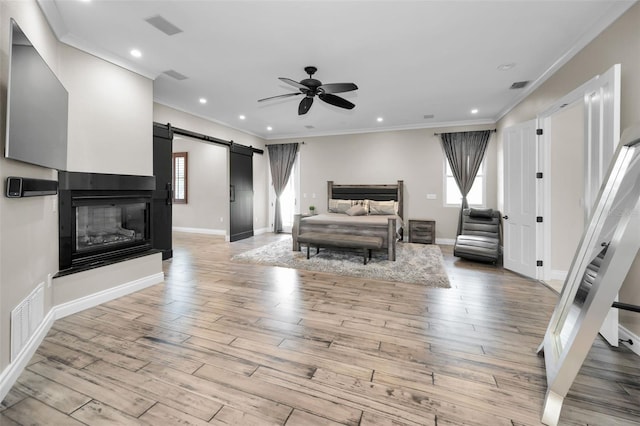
(344, 219)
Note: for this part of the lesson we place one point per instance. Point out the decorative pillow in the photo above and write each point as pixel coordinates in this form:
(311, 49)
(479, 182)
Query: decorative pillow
(357, 210)
(363, 203)
(481, 212)
(339, 206)
(382, 207)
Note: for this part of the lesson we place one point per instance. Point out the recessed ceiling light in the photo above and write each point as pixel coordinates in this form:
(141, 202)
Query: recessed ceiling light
(203, 100)
(506, 67)
(474, 111)
(241, 117)
(269, 128)
(379, 119)
(136, 53)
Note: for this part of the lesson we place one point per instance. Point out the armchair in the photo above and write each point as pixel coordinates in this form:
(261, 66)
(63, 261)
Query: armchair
(480, 238)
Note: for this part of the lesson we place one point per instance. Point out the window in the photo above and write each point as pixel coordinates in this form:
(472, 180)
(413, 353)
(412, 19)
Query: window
(475, 197)
(180, 177)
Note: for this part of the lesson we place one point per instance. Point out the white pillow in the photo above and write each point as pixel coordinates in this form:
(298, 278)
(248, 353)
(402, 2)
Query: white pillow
(383, 207)
(339, 206)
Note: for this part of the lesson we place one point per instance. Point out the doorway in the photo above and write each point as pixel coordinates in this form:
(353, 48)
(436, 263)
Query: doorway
(600, 101)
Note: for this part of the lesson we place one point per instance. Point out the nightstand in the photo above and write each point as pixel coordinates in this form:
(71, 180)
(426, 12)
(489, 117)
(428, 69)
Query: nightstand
(422, 231)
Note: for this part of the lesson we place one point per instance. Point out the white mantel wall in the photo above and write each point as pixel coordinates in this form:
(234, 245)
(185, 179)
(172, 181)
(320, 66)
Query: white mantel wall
(110, 131)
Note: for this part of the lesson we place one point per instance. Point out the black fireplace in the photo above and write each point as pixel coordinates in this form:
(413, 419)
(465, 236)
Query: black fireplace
(103, 218)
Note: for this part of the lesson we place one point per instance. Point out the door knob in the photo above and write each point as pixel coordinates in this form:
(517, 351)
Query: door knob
(505, 217)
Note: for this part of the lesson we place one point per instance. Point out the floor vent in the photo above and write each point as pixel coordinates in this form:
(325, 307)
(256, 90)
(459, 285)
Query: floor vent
(25, 319)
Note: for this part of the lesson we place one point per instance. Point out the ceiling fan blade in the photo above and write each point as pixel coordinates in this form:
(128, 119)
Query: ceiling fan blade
(304, 106)
(293, 83)
(337, 87)
(280, 96)
(336, 100)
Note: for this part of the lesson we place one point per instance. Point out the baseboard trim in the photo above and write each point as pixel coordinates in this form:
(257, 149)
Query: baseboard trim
(14, 369)
(558, 275)
(206, 231)
(445, 241)
(626, 334)
(11, 373)
(104, 296)
(261, 231)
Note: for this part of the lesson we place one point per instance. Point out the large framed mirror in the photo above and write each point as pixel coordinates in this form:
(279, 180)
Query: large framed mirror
(606, 251)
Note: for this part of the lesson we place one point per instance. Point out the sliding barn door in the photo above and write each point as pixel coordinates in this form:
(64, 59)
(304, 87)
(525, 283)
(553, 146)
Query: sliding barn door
(161, 213)
(240, 192)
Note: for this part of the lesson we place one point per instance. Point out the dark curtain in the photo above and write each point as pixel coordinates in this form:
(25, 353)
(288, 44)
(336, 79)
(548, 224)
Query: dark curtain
(465, 151)
(281, 159)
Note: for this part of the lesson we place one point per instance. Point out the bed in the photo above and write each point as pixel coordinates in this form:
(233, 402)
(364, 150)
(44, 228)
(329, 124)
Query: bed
(386, 226)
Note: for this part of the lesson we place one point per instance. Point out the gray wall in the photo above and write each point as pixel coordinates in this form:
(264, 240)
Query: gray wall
(414, 156)
(110, 115)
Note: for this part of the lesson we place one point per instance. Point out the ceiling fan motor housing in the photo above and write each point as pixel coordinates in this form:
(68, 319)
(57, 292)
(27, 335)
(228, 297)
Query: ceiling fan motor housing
(311, 83)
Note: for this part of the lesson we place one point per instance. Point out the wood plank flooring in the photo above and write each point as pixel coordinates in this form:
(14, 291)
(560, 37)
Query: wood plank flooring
(229, 343)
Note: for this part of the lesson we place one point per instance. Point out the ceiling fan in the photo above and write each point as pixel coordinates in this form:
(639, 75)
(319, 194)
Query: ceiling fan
(310, 87)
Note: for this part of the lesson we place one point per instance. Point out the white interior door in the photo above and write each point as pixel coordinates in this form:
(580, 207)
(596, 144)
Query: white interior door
(519, 215)
(602, 131)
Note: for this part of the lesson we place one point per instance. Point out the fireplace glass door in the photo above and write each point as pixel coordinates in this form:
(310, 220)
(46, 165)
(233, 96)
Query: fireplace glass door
(105, 226)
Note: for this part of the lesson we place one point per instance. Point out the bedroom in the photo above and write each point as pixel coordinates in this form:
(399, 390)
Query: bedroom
(596, 58)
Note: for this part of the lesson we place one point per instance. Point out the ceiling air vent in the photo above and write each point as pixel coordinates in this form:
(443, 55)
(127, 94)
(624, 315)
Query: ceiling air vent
(163, 25)
(309, 126)
(519, 84)
(175, 74)
(428, 116)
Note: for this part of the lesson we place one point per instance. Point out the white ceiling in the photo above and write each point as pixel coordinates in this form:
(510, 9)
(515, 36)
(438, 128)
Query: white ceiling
(409, 58)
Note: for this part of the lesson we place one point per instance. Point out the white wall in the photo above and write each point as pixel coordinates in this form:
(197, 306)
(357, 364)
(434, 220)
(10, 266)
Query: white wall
(414, 156)
(98, 134)
(108, 107)
(198, 217)
(567, 190)
(207, 207)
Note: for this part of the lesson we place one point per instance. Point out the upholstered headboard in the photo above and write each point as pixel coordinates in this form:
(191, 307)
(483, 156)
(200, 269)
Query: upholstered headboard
(368, 192)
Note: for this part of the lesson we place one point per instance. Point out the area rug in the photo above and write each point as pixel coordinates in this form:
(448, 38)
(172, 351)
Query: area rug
(415, 263)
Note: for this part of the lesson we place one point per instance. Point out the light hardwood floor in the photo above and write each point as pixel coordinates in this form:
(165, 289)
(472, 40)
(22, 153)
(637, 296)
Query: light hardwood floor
(228, 343)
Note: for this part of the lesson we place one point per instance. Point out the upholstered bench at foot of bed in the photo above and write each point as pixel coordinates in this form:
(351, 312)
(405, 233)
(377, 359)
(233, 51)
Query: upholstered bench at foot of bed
(321, 239)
